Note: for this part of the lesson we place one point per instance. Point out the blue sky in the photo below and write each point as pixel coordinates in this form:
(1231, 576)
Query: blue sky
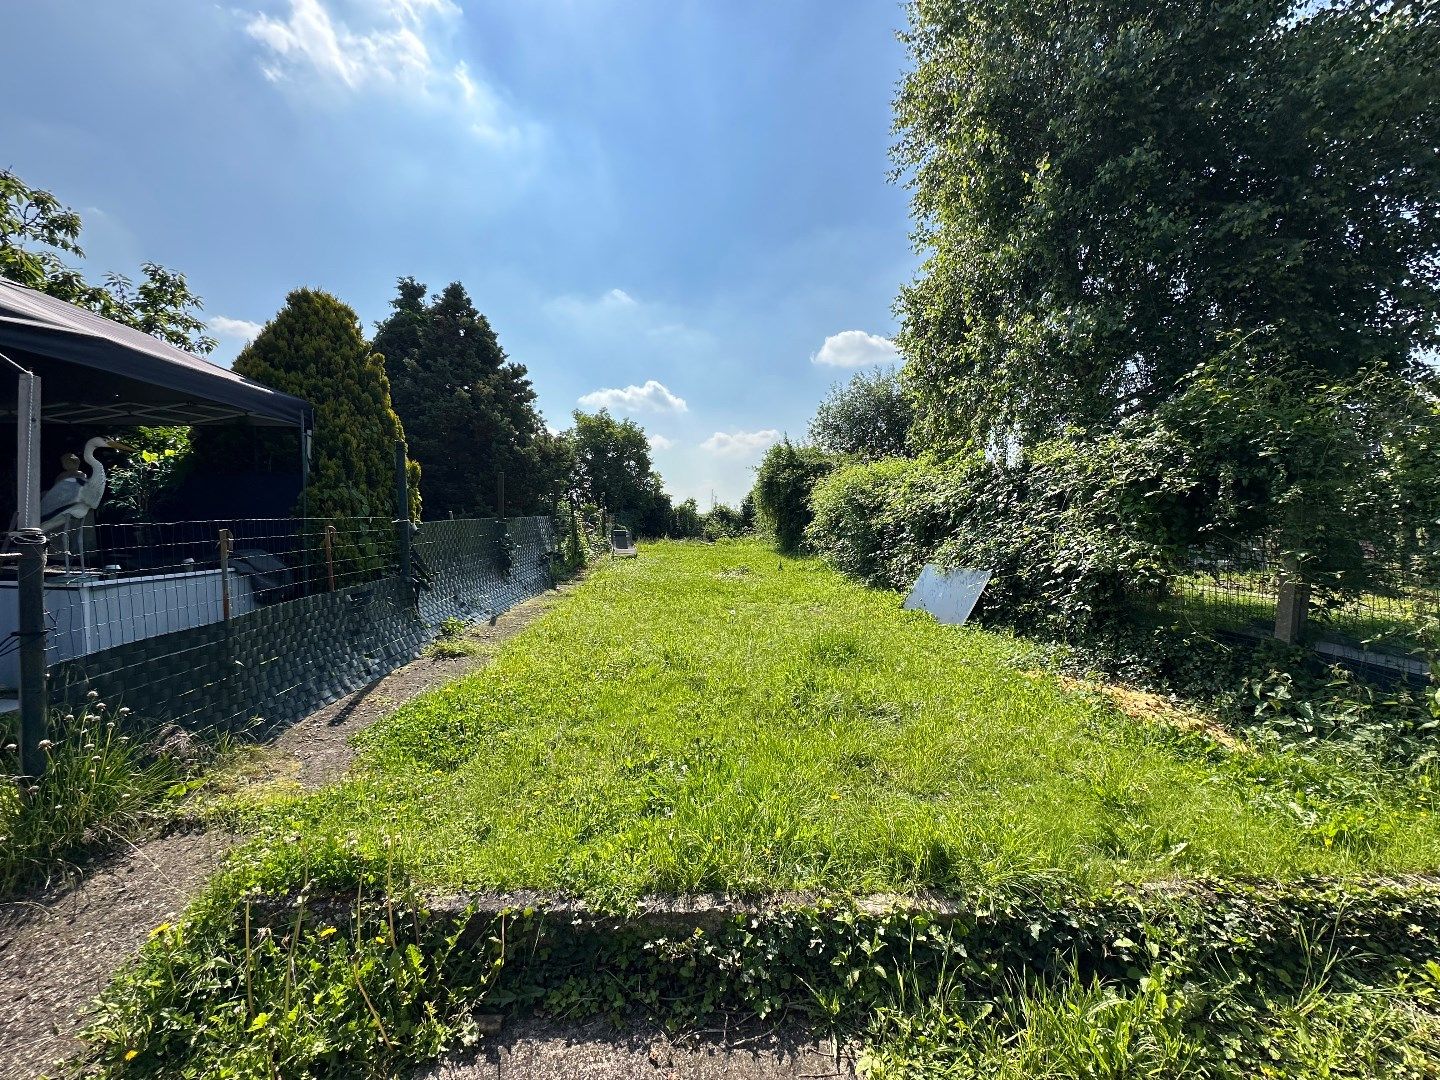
(676, 209)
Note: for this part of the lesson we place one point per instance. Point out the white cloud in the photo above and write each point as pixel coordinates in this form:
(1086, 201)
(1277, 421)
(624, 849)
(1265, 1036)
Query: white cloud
(415, 10)
(653, 397)
(312, 38)
(740, 443)
(660, 442)
(607, 306)
(241, 330)
(618, 316)
(855, 348)
(401, 51)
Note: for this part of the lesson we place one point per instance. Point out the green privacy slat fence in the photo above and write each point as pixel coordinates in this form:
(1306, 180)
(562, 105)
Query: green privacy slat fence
(282, 660)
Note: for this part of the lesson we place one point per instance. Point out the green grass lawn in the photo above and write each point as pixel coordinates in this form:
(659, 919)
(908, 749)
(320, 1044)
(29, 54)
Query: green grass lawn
(714, 718)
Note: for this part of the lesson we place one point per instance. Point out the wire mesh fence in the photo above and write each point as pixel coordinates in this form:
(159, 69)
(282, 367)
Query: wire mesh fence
(1378, 602)
(257, 622)
(1232, 589)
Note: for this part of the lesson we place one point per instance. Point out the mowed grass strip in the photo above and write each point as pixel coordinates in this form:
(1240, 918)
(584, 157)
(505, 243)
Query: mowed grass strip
(716, 718)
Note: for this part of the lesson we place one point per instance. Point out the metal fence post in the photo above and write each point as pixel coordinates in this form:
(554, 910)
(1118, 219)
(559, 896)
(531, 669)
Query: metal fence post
(402, 512)
(30, 590)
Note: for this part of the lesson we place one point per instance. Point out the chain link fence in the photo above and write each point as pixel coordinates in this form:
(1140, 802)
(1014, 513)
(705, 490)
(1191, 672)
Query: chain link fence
(256, 623)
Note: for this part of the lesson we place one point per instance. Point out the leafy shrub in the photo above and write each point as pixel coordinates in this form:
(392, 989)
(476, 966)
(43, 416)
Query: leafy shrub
(581, 538)
(1074, 534)
(723, 523)
(1392, 728)
(783, 483)
(880, 521)
(144, 480)
(572, 543)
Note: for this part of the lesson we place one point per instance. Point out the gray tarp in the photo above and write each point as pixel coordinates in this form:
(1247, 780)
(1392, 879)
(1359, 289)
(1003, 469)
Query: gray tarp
(95, 371)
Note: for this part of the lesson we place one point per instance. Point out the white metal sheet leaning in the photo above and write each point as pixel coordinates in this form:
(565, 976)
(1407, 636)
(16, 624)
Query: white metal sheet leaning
(949, 595)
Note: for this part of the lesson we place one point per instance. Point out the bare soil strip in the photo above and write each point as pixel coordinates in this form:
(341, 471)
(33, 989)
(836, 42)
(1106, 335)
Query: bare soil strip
(59, 947)
(548, 1050)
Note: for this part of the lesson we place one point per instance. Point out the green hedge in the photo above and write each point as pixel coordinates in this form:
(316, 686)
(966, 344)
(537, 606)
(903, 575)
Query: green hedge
(1075, 535)
(881, 521)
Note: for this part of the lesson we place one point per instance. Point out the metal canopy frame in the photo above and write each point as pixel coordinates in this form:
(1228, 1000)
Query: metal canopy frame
(98, 371)
(193, 413)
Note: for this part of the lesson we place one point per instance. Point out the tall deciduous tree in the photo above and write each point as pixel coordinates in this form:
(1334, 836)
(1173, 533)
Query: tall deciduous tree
(36, 230)
(315, 350)
(869, 417)
(468, 410)
(1110, 190)
(613, 471)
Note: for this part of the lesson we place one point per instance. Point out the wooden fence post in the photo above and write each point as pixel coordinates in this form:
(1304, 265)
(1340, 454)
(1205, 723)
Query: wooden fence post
(402, 514)
(327, 540)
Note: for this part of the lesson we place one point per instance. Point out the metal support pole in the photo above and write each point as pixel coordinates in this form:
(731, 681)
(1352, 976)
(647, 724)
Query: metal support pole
(500, 493)
(306, 443)
(327, 540)
(402, 511)
(27, 453)
(30, 590)
(225, 544)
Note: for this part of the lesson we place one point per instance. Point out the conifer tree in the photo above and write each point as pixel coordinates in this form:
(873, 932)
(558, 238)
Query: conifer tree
(315, 350)
(468, 409)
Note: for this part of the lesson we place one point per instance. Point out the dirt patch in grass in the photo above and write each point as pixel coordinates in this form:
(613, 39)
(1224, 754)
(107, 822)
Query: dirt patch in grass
(1156, 708)
(60, 946)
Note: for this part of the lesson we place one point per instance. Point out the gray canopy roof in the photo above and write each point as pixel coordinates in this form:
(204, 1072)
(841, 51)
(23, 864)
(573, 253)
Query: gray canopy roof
(98, 372)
